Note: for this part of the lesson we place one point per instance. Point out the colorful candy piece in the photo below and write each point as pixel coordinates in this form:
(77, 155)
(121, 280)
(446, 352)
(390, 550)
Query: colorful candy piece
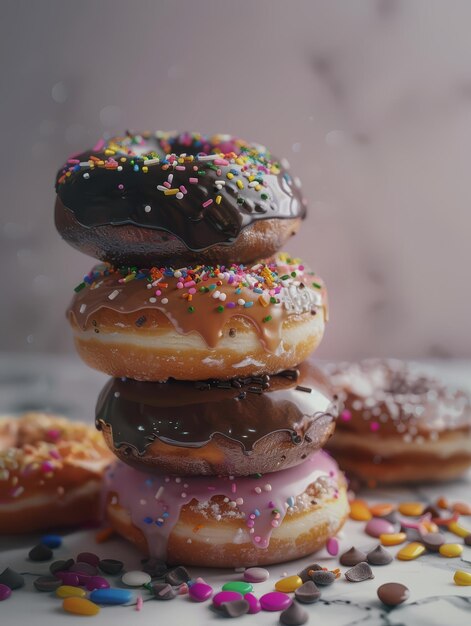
(135, 578)
(5, 592)
(80, 606)
(442, 503)
(254, 603)
(451, 550)
(462, 578)
(68, 578)
(199, 592)
(97, 582)
(51, 541)
(275, 601)
(332, 546)
(226, 596)
(380, 510)
(256, 575)
(359, 511)
(288, 584)
(66, 591)
(392, 539)
(433, 541)
(411, 509)
(240, 586)
(462, 508)
(457, 529)
(88, 557)
(111, 596)
(377, 526)
(411, 551)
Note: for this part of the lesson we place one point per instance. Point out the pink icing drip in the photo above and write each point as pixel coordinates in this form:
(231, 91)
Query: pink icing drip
(154, 501)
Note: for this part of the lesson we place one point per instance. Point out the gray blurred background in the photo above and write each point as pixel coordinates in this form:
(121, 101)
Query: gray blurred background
(369, 100)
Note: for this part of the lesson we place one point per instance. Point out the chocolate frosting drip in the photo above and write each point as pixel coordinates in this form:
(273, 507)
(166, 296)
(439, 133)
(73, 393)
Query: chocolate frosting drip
(190, 414)
(135, 180)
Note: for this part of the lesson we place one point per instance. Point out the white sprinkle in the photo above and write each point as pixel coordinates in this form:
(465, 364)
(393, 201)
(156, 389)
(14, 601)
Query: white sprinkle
(241, 301)
(267, 487)
(219, 182)
(216, 294)
(147, 208)
(113, 294)
(178, 479)
(86, 175)
(254, 183)
(159, 492)
(179, 195)
(170, 178)
(119, 168)
(152, 300)
(258, 490)
(183, 494)
(82, 308)
(208, 157)
(161, 188)
(151, 161)
(222, 296)
(177, 274)
(164, 300)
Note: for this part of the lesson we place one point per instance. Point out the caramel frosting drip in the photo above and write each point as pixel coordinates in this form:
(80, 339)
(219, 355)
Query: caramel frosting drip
(204, 299)
(202, 189)
(389, 397)
(189, 414)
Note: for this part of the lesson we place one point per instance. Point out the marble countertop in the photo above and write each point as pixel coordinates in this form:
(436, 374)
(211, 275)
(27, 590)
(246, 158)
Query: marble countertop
(65, 385)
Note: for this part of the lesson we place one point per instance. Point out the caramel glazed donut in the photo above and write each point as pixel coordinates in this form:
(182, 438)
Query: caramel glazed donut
(51, 473)
(399, 426)
(173, 199)
(187, 323)
(229, 522)
(244, 426)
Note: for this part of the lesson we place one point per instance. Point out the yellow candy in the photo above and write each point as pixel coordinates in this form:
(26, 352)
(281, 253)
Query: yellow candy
(463, 579)
(80, 606)
(451, 550)
(411, 551)
(288, 584)
(67, 591)
(393, 539)
(455, 528)
(430, 526)
(411, 509)
(359, 511)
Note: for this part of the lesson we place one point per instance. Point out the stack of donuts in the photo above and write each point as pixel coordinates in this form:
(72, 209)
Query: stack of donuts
(215, 416)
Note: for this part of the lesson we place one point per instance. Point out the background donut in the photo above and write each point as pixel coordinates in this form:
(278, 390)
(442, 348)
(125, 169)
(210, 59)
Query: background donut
(398, 425)
(241, 427)
(168, 198)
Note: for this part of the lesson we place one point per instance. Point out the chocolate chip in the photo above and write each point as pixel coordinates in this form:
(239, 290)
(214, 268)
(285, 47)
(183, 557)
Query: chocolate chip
(111, 566)
(177, 576)
(164, 591)
(305, 574)
(379, 556)
(392, 517)
(84, 568)
(61, 566)
(359, 573)
(434, 512)
(352, 557)
(11, 579)
(40, 553)
(294, 615)
(392, 594)
(467, 540)
(308, 593)
(323, 577)
(432, 541)
(47, 583)
(235, 608)
(412, 534)
(156, 568)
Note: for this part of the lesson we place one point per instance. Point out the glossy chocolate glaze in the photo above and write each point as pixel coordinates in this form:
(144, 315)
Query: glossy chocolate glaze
(190, 414)
(124, 181)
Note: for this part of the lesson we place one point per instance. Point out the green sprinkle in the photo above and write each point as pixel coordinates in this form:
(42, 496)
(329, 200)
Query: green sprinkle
(273, 300)
(317, 286)
(220, 309)
(264, 196)
(240, 200)
(191, 309)
(285, 277)
(293, 274)
(79, 287)
(268, 318)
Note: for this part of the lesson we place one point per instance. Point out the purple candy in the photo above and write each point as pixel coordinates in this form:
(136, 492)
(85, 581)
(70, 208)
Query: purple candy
(332, 546)
(199, 592)
(256, 575)
(88, 557)
(377, 526)
(254, 603)
(5, 592)
(97, 582)
(226, 596)
(275, 601)
(68, 578)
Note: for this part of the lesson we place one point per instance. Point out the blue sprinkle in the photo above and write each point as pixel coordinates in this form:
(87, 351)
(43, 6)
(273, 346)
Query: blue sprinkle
(147, 520)
(256, 513)
(51, 541)
(247, 305)
(149, 482)
(258, 290)
(290, 501)
(165, 514)
(212, 286)
(136, 168)
(238, 290)
(159, 523)
(111, 596)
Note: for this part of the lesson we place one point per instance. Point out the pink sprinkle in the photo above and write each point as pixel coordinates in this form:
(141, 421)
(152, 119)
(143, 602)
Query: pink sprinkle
(180, 168)
(257, 539)
(271, 504)
(374, 426)
(193, 181)
(274, 523)
(250, 523)
(99, 145)
(54, 454)
(158, 292)
(73, 161)
(179, 285)
(220, 162)
(190, 283)
(207, 203)
(346, 416)
(183, 189)
(233, 487)
(53, 434)
(183, 589)
(332, 546)
(192, 291)
(121, 187)
(167, 184)
(139, 603)
(301, 267)
(47, 466)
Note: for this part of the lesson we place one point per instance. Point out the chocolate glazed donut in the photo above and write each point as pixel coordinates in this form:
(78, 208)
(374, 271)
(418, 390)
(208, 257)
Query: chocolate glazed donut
(244, 426)
(177, 199)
